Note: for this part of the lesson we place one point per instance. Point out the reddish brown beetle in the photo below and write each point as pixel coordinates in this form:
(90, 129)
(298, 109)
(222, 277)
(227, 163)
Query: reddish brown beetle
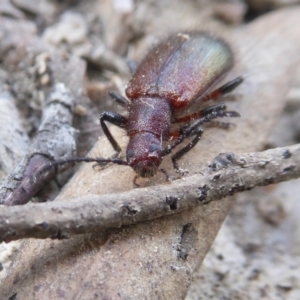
(175, 74)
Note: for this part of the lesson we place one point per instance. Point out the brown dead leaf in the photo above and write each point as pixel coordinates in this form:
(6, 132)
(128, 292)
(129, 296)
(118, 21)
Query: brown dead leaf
(143, 261)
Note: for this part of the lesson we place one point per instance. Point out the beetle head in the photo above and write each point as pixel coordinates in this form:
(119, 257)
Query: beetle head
(144, 153)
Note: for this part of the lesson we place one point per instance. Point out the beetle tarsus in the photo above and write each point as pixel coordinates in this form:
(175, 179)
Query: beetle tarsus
(224, 89)
(231, 85)
(168, 179)
(186, 148)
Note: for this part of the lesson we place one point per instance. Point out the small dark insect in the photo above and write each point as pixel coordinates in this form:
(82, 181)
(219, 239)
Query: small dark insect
(177, 73)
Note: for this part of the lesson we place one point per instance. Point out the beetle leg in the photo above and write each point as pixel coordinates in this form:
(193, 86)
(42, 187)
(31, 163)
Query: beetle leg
(180, 136)
(115, 119)
(119, 98)
(166, 174)
(213, 112)
(208, 114)
(224, 89)
(186, 148)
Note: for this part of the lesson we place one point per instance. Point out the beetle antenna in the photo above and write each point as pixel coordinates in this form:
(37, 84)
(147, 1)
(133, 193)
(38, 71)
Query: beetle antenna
(97, 160)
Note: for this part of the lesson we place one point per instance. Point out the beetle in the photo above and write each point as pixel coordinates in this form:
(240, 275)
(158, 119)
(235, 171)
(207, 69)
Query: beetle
(176, 73)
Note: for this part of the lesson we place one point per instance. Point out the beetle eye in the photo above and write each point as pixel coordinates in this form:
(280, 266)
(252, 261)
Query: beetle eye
(130, 153)
(154, 147)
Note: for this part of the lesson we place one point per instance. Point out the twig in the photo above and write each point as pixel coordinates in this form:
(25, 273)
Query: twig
(56, 122)
(46, 71)
(226, 175)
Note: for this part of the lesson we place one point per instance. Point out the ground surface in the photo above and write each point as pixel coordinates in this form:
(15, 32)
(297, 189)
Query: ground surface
(256, 252)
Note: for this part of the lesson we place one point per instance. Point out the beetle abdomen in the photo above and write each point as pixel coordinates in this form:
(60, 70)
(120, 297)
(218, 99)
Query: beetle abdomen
(181, 69)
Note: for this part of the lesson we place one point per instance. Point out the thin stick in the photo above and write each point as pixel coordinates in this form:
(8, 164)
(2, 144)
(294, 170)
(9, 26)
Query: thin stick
(226, 175)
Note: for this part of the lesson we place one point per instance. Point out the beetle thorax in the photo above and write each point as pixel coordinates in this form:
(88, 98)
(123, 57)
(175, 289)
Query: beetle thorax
(148, 125)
